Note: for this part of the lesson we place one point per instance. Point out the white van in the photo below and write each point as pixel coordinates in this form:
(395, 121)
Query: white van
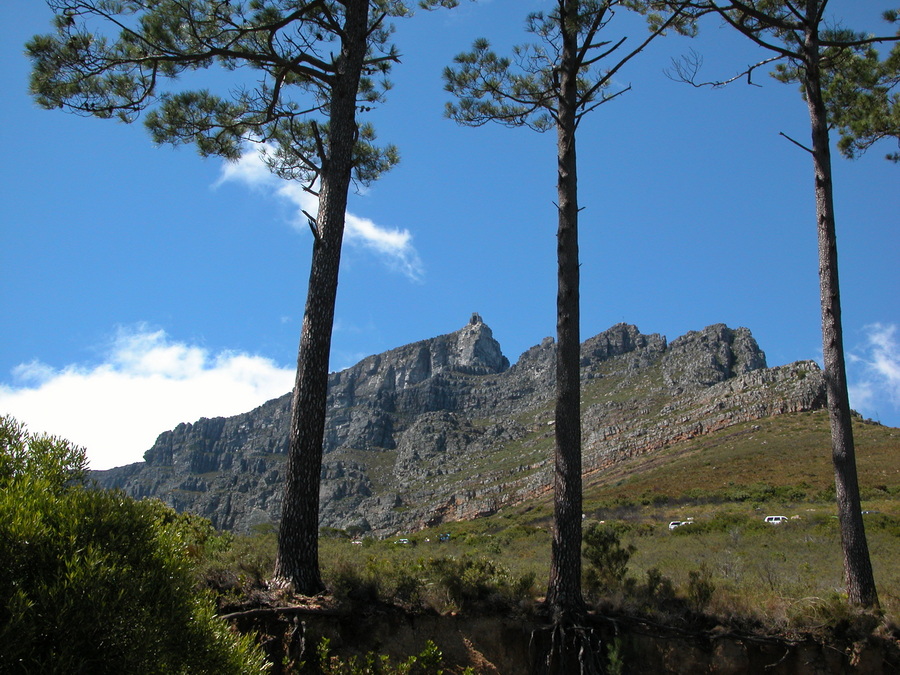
(679, 523)
(775, 520)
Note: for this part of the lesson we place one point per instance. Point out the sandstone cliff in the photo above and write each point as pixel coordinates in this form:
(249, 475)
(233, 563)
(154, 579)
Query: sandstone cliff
(445, 428)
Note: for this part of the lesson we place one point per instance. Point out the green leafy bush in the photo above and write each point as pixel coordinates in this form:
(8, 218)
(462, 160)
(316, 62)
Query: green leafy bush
(428, 662)
(659, 588)
(883, 522)
(832, 614)
(25, 456)
(446, 583)
(95, 582)
(606, 557)
(478, 583)
(353, 583)
(723, 522)
(234, 566)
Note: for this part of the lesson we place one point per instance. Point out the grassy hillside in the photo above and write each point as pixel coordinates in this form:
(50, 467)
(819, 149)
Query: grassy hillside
(789, 453)
(726, 483)
(727, 563)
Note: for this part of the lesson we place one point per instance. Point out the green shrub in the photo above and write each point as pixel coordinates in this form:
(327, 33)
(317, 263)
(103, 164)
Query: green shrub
(428, 662)
(832, 614)
(236, 564)
(700, 587)
(26, 456)
(95, 582)
(615, 661)
(606, 558)
(883, 522)
(349, 582)
(659, 588)
(444, 584)
(723, 522)
(477, 583)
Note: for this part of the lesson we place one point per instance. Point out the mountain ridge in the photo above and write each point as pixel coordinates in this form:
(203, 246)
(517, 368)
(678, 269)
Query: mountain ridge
(445, 428)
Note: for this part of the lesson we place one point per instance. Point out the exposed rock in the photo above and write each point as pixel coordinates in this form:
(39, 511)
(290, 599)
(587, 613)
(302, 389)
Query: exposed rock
(445, 429)
(703, 358)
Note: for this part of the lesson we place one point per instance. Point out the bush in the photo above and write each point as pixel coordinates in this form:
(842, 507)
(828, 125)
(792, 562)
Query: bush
(349, 582)
(428, 662)
(606, 558)
(723, 522)
(235, 565)
(834, 616)
(700, 587)
(473, 584)
(884, 523)
(96, 582)
(444, 584)
(57, 462)
(659, 588)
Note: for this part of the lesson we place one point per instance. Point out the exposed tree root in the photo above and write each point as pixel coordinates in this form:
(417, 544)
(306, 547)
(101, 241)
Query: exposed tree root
(566, 647)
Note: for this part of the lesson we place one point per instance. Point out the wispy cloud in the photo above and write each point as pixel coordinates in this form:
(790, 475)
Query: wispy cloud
(393, 246)
(875, 371)
(145, 384)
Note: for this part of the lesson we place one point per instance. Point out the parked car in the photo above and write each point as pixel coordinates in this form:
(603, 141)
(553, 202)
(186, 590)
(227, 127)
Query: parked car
(680, 523)
(776, 520)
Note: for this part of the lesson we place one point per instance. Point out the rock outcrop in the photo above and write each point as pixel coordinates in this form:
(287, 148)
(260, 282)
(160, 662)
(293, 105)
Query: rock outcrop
(446, 429)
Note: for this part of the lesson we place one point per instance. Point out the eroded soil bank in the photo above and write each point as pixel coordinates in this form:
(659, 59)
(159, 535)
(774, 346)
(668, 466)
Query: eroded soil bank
(503, 645)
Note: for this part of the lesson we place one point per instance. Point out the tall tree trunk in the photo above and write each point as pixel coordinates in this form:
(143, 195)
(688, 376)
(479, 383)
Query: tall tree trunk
(857, 564)
(564, 594)
(297, 562)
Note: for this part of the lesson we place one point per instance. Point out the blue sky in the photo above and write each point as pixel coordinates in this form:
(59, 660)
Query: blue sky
(143, 286)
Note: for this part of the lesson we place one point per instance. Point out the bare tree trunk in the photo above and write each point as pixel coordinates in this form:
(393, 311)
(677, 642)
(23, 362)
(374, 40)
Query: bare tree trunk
(857, 564)
(297, 562)
(564, 594)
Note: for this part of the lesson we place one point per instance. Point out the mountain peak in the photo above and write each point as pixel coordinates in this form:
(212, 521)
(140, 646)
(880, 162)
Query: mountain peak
(444, 428)
(477, 350)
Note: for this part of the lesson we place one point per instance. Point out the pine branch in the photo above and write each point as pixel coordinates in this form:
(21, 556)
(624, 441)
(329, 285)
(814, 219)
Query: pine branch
(797, 143)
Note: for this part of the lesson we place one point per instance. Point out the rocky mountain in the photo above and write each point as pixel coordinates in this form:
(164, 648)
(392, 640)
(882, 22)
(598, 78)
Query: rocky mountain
(446, 429)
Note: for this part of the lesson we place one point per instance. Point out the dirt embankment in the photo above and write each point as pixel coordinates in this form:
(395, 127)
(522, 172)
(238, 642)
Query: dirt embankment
(503, 645)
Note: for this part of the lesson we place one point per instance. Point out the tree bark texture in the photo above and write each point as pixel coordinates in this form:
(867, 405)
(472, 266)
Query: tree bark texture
(857, 564)
(297, 562)
(564, 593)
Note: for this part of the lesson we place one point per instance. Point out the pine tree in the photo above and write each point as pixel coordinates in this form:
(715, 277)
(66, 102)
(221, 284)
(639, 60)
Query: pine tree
(315, 65)
(554, 84)
(806, 52)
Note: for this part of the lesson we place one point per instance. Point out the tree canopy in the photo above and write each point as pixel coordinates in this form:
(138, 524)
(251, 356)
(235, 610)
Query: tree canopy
(863, 98)
(122, 58)
(523, 90)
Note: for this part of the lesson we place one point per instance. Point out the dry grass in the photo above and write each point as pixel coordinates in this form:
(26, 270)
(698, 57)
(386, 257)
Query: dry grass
(781, 578)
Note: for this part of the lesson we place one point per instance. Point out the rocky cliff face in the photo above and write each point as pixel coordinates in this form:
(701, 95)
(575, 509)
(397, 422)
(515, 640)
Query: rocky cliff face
(446, 429)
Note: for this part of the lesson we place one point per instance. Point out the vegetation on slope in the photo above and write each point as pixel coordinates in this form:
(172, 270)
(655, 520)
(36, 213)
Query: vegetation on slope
(727, 566)
(728, 563)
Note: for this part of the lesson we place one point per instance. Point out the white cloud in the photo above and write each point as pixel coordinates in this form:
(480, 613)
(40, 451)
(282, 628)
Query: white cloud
(875, 372)
(393, 246)
(146, 384)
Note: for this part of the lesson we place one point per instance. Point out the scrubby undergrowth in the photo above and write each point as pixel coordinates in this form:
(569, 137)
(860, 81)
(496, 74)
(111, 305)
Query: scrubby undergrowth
(726, 571)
